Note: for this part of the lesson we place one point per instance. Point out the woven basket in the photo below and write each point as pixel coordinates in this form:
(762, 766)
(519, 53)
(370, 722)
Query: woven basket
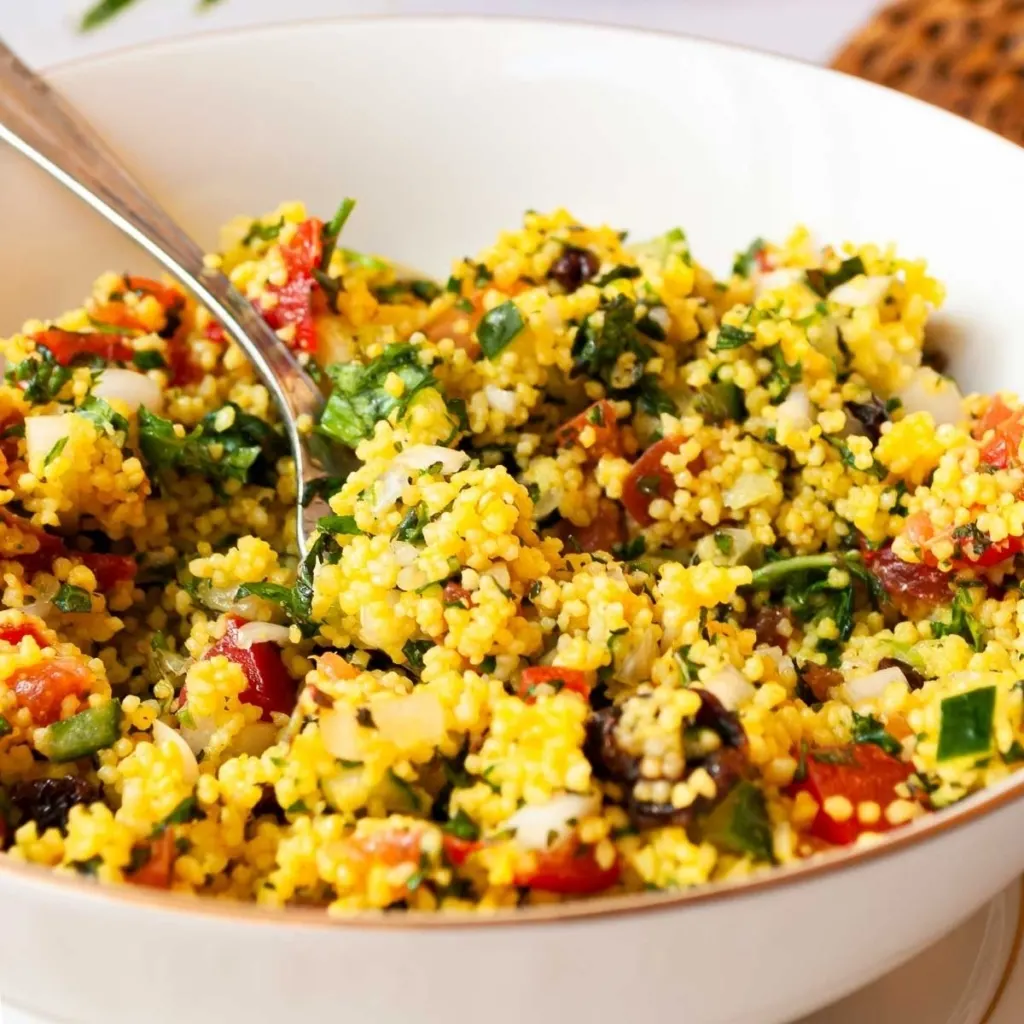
(964, 55)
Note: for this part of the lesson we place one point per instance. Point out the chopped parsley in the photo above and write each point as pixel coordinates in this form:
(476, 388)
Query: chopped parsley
(99, 412)
(54, 453)
(259, 232)
(345, 525)
(732, 337)
(868, 729)
(744, 262)
(72, 599)
(499, 327)
(962, 620)
(359, 398)
(42, 375)
(597, 351)
(148, 359)
(823, 281)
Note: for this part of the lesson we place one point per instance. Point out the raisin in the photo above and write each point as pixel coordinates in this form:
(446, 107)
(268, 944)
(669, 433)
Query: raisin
(914, 678)
(608, 760)
(712, 715)
(870, 415)
(573, 267)
(48, 802)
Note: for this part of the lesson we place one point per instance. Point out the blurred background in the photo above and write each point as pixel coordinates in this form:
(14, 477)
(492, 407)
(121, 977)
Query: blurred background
(44, 31)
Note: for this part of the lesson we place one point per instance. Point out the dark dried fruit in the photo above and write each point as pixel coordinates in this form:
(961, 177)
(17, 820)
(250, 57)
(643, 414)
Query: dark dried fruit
(870, 415)
(48, 802)
(914, 678)
(767, 623)
(726, 767)
(819, 679)
(267, 806)
(712, 715)
(608, 760)
(644, 815)
(573, 267)
(915, 589)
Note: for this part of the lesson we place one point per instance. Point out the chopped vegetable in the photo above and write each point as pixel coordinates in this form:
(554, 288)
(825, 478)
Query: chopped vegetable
(499, 327)
(739, 824)
(83, 734)
(966, 727)
(554, 677)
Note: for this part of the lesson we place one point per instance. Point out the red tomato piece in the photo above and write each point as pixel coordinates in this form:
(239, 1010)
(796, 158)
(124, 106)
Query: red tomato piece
(15, 634)
(650, 479)
(157, 872)
(571, 869)
(65, 345)
(43, 687)
(458, 851)
(295, 298)
(460, 325)
(764, 262)
(117, 314)
(214, 332)
(1002, 448)
(600, 418)
(168, 296)
(572, 679)
(49, 547)
(270, 687)
(606, 531)
(860, 772)
(973, 549)
(109, 569)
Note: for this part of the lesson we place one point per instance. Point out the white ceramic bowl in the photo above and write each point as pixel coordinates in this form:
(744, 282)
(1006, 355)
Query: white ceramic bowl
(446, 130)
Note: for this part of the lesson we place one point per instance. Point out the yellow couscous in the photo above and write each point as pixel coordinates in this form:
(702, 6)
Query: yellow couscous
(644, 579)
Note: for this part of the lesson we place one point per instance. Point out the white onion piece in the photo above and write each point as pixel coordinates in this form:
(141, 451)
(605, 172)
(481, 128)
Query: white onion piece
(422, 456)
(404, 552)
(660, 315)
(872, 686)
(198, 735)
(340, 732)
(783, 662)
(861, 291)
(538, 826)
(171, 663)
(636, 665)
(730, 686)
(928, 391)
(43, 432)
(500, 400)
(255, 738)
(260, 633)
(163, 733)
(795, 411)
(134, 389)
(749, 489)
(500, 575)
(740, 544)
(409, 722)
(389, 487)
(775, 280)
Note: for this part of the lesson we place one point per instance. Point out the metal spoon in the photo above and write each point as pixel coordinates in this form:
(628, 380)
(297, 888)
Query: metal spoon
(37, 122)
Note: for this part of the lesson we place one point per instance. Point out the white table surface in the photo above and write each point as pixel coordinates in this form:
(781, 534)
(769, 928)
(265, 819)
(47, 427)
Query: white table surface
(43, 31)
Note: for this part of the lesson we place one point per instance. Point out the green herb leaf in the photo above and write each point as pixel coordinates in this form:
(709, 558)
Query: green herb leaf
(868, 729)
(966, 724)
(148, 359)
(262, 232)
(345, 525)
(962, 622)
(414, 651)
(462, 826)
(41, 374)
(410, 529)
(823, 281)
(601, 342)
(359, 399)
(620, 273)
(332, 232)
(739, 824)
(732, 337)
(54, 452)
(102, 12)
(99, 412)
(721, 401)
(72, 599)
(498, 327)
(744, 262)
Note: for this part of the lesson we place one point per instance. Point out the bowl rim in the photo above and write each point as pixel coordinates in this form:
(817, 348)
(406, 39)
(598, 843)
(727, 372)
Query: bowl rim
(972, 808)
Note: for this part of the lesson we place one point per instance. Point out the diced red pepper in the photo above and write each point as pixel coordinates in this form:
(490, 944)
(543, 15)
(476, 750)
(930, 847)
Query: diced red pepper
(570, 869)
(214, 332)
(168, 296)
(15, 634)
(571, 679)
(43, 687)
(650, 479)
(861, 772)
(65, 345)
(270, 688)
(764, 262)
(157, 872)
(600, 418)
(458, 851)
(294, 306)
(607, 531)
(974, 551)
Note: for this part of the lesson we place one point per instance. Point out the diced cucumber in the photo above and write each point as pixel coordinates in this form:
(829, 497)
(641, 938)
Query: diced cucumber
(721, 401)
(85, 733)
(967, 723)
(739, 824)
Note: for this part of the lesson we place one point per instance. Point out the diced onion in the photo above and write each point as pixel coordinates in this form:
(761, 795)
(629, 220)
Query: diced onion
(749, 489)
(198, 735)
(928, 391)
(776, 280)
(501, 575)
(255, 738)
(500, 400)
(394, 479)
(738, 541)
(795, 411)
(259, 633)
(134, 389)
(409, 722)
(163, 733)
(783, 662)
(861, 291)
(636, 665)
(730, 686)
(422, 456)
(339, 731)
(43, 432)
(538, 826)
(660, 315)
(872, 686)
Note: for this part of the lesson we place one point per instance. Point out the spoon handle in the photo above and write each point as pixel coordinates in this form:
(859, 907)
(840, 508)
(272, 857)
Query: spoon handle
(37, 122)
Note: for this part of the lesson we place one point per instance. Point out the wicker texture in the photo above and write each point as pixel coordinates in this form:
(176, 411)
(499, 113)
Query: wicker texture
(964, 55)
